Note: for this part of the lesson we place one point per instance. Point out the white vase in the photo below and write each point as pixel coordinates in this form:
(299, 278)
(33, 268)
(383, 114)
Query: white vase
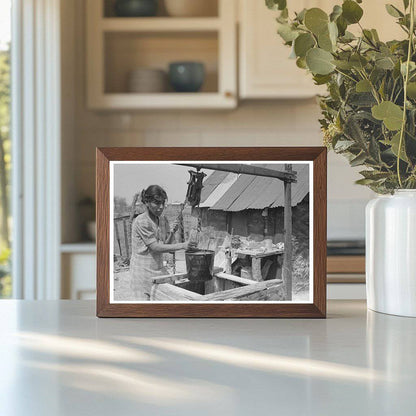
(391, 253)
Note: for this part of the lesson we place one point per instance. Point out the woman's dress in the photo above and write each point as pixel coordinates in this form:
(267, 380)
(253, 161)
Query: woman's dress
(146, 263)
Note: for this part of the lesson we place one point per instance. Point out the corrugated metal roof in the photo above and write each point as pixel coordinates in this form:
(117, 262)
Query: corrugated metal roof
(211, 182)
(219, 191)
(257, 192)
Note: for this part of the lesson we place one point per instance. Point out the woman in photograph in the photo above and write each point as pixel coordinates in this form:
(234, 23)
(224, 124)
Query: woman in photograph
(150, 231)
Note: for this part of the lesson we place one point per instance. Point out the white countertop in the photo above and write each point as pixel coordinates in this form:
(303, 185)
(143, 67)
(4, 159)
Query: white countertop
(57, 358)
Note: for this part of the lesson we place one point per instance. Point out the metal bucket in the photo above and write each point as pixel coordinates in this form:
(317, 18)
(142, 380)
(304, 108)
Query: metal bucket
(199, 265)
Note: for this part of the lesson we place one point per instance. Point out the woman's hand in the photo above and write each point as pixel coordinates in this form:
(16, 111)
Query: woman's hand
(190, 245)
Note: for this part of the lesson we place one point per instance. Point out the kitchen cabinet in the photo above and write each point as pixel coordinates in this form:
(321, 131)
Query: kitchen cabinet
(118, 45)
(265, 70)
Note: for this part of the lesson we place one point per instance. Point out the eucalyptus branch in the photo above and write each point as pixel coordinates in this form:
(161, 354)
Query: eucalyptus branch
(406, 79)
(346, 75)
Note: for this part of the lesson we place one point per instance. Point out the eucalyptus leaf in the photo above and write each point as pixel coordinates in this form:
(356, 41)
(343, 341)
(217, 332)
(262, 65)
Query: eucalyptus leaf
(358, 160)
(316, 20)
(276, 4)
(393, 11)
(391, 114)
(301, 63)
(385, 63)
(286, 32)
(394, 144)
(300, 17)
(303, 43)
(375, 35)
(342, 25)
(351, 11)
(363, 86)
(321, 79)
(336, 12)
(343, 65)
(319, 61)
(325, 42)
(411, 90)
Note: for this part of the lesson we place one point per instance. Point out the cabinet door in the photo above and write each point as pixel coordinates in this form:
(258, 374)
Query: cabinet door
(265, 68)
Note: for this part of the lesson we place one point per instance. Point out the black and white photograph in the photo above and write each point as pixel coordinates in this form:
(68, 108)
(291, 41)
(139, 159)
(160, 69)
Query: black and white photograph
(211, 232)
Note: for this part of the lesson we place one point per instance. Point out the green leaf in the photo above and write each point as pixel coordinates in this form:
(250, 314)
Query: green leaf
(351, 11)
(303, 43)
(343, 145)
(347, 37)
(321, 79)
(411, 90)
(363, 86)
(301, 63)
(276, 4)
(316, 20)
(364, 182)
(385, 63)
(358, 160)
(325, 43)
(393, 11)
(390, 113)
(319, 61)
(358, 61)
(342, 25)
(412, 67)
(341, 64)
(406, 4)
(300, 17)
(375, 35)
(286, 32)
(394, 144)
(336, 12)
(374, 175)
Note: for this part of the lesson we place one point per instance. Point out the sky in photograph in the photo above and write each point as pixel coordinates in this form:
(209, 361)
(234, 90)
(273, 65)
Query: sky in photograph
(5, 20)
(132, 178)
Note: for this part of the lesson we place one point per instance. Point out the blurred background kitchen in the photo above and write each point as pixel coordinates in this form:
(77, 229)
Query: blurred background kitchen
(155, 73)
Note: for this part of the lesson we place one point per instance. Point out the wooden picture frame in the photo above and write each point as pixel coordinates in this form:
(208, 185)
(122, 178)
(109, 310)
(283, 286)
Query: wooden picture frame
(205, 306)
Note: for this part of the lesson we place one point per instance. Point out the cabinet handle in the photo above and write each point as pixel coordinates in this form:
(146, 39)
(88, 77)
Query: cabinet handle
(228, 94)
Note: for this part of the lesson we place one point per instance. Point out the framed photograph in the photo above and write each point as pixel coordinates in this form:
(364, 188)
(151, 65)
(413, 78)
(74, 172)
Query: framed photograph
(211, 232)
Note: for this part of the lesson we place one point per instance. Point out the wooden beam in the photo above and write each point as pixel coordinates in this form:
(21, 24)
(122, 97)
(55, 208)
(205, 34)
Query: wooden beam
(287, 259)
(167, 291)
(244, 291)
(236, 279)
(287, 176)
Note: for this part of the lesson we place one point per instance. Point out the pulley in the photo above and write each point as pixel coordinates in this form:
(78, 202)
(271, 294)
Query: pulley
(193, 194)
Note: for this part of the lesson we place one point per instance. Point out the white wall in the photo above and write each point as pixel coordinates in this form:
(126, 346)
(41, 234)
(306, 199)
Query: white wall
(265, 123)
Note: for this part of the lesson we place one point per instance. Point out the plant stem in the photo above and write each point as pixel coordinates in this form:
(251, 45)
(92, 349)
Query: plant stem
(406, 79)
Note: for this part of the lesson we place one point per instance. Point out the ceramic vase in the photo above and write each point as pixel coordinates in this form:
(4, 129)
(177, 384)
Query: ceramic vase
(391, 253)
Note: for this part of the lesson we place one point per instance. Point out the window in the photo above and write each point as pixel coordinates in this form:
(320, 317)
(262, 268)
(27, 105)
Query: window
(5, 147)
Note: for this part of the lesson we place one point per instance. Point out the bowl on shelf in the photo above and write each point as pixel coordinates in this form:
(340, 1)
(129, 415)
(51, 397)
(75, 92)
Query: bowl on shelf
(191, 8)
(135, 8)
(186, 76)
(147, 80)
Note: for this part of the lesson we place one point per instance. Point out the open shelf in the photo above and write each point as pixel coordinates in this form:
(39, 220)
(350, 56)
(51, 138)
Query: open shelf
(127, 51)
(116, 46)
(211, 9)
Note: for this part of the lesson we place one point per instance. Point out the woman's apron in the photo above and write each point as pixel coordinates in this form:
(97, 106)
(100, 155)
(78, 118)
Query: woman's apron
(143, 267)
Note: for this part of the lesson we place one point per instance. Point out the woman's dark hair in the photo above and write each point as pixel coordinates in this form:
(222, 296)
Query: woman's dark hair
(154, 193)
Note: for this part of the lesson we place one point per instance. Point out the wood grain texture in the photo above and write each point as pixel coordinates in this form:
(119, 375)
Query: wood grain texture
(317, 309)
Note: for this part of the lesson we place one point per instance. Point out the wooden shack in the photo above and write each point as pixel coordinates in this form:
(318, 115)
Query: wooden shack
(253, 206)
